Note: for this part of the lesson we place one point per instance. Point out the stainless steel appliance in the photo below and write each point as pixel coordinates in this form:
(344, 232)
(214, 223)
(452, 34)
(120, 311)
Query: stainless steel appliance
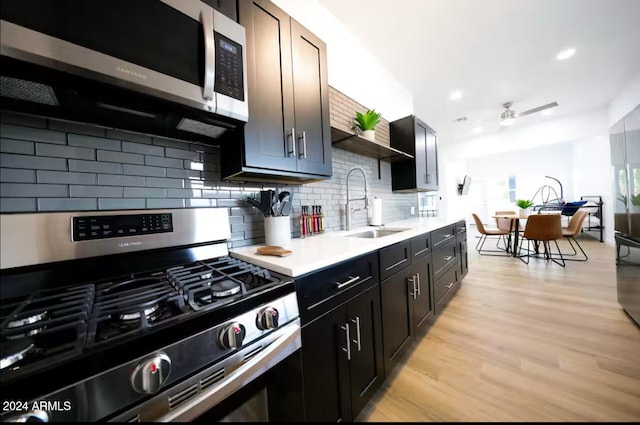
(142, 316)
(625, 158)
(168, 66)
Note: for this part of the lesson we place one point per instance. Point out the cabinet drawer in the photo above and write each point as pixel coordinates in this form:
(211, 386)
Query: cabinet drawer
(442, 236)
(443, 258)
(445, 283)
(440, 305)
(421, 245)
(394, 258)
(325, 289)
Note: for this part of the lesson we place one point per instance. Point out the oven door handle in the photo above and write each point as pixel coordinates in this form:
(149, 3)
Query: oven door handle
(286, 343)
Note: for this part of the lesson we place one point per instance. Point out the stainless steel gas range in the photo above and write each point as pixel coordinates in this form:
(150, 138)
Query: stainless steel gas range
(142, 316)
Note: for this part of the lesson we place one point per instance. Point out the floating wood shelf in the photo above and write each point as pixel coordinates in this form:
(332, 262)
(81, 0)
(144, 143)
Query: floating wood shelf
(357, 144)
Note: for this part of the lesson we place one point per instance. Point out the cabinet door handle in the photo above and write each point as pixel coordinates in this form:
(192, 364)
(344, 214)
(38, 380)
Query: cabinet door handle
(350, 281)
(209, 53)
(413, 280)
(293, 142)
(418, 277)
(448, 258)
(357, 340)
(347, 349)
(396, 264)
(304, 144)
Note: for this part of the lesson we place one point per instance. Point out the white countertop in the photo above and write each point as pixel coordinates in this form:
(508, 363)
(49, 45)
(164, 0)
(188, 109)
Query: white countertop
(316, 252)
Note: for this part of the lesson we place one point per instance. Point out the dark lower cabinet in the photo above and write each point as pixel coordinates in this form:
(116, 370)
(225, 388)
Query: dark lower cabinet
(342, 358)
(325, 368)
(406, 309)
(464, 255)
(422, 300)
(366, 365)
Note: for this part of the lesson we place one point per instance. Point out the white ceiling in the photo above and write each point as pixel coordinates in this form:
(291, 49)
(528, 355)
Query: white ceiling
(496, 51)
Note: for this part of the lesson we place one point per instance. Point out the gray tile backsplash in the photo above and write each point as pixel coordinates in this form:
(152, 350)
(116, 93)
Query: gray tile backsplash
(50, 165)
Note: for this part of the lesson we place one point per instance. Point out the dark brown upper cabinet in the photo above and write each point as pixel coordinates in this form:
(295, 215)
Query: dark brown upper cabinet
(226, 7)
(287, 138)
(420, 174)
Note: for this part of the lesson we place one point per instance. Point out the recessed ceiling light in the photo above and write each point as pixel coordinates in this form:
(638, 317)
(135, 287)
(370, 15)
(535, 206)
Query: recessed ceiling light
(455, 95)
(478, 130)
(566, 54)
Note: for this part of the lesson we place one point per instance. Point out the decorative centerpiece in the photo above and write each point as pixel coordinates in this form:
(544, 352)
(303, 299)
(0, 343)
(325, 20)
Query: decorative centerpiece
(366, 123)
(524, 205)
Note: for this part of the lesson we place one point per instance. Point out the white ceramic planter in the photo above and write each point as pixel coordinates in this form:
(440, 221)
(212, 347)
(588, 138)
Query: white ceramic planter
(524, 212)
(369, 135)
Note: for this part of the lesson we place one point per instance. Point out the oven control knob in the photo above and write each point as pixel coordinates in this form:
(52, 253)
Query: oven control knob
(231, 336)
(267, 318)
(151, 374)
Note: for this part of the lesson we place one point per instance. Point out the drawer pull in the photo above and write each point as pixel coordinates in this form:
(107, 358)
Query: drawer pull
(396, 264)
(348, 282)
(449, 285)
(421, 251)
(448, 235)
(357, 340)
(448, 258)
(347, 349)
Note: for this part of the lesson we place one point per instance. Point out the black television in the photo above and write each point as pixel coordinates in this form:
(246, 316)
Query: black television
(463, 188)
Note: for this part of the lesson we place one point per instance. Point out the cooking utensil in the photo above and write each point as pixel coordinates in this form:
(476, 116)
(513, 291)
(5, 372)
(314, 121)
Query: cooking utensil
(282, 195)
(266, 199)
(286, 207)
(258, 205)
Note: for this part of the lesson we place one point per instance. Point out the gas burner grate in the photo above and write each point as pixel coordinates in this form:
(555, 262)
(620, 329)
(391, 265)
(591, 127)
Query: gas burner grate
(49, 325)
(132, 305)
(214, 283)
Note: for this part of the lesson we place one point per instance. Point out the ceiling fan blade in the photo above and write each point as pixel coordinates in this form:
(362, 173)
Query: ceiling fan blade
(538, 109)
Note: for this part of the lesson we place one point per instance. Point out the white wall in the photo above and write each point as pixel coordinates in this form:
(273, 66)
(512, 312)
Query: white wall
(627, 99)
(593, 175)
(352, 68)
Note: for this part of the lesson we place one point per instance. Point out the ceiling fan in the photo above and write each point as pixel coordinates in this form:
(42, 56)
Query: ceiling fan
(508, 115)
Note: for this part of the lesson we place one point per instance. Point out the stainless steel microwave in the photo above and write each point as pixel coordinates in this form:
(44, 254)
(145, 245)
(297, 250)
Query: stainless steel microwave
(181, 51)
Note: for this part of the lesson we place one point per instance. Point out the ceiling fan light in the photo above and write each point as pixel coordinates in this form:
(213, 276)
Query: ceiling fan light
(507, 122)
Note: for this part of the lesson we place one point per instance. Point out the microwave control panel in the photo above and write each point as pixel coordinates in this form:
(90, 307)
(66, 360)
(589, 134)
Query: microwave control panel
(103, 227)
(229, 75)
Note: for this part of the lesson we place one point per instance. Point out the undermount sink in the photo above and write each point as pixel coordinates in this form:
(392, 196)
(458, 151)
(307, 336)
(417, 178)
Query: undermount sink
(377, 233)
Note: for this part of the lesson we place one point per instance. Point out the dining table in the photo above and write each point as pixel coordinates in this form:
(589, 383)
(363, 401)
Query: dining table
(516, 236)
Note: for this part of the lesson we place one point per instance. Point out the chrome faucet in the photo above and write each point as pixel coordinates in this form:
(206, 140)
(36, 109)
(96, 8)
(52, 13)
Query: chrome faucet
(349, 210)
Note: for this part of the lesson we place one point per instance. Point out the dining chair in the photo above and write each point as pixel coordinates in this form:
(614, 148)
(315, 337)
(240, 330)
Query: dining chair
(573, 228)
(485, 233)
(542, 228)
(507, 224)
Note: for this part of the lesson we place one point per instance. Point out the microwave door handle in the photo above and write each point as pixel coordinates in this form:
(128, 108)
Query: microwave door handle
(206, 18)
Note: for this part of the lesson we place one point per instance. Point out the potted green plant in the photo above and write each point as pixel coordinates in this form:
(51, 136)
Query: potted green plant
(635, 202)
(366, 123)
(524, 205)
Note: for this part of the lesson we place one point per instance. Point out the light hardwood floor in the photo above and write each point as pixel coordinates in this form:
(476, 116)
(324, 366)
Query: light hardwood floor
(522, 343)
